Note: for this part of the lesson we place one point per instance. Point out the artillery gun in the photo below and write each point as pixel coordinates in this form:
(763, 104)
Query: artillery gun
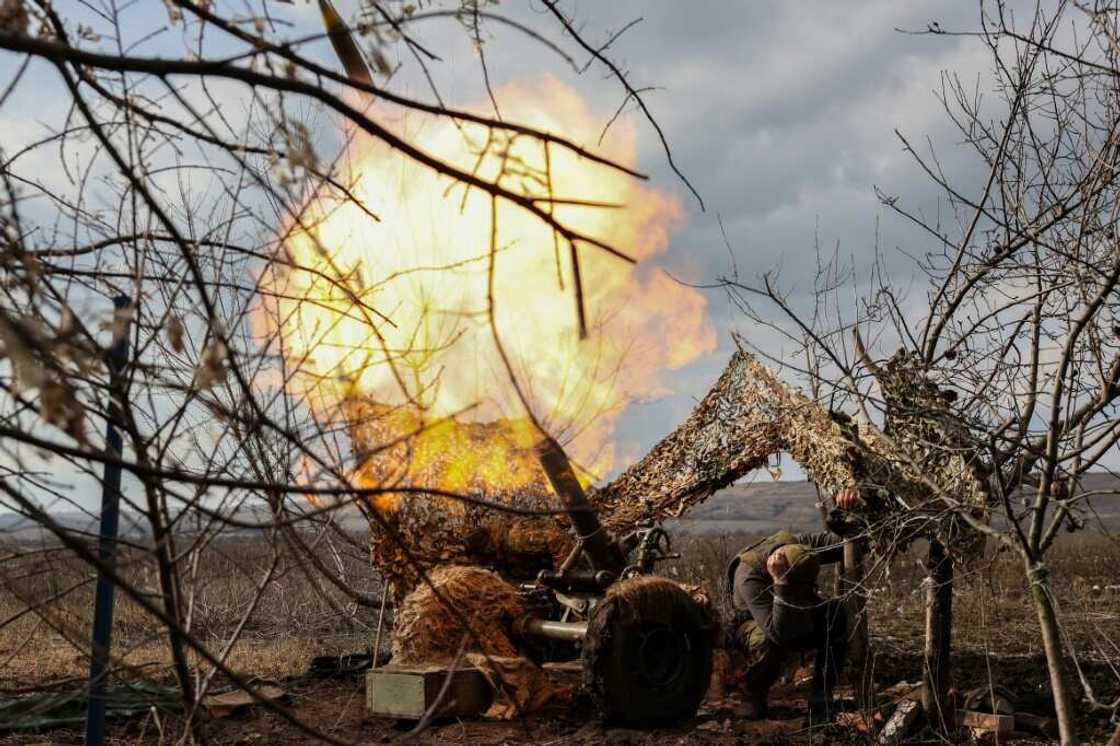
(646, 643)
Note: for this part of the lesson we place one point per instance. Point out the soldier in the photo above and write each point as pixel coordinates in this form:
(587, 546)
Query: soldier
(774, 589)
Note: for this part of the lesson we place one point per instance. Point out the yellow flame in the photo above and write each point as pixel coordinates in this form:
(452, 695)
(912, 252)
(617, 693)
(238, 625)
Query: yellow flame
(388, 322)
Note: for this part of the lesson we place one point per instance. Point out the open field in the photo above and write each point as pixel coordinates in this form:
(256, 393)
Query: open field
(291, 619)
(45, 612)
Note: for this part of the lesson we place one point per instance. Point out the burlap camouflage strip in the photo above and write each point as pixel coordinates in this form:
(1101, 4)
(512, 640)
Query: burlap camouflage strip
(748, 416)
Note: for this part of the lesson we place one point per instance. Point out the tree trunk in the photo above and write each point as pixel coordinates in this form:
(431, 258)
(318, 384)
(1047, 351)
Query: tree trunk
(1039, 578)
(939, 635)
(850, 587)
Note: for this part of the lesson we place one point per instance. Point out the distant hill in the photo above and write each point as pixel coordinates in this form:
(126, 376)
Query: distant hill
(16, 527)
(757, 508)
(764, 507)
(71, 520)
(761, 507)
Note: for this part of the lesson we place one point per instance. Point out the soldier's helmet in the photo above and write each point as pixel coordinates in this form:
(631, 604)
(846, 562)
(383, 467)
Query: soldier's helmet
(803, 564)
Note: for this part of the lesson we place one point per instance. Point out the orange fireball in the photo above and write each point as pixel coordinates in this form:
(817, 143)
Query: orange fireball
(389, 323)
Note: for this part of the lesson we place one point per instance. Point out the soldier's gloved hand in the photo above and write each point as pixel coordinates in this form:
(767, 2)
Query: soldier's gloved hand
(778, 567)
(847, 498)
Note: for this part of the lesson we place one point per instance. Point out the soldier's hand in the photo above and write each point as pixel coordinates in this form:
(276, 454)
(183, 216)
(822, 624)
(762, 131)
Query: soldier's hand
(847, 498)
(1059, 488)
(778, 566)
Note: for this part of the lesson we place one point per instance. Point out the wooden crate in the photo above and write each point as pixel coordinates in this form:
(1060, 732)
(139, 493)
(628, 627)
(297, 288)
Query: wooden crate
(407, 692)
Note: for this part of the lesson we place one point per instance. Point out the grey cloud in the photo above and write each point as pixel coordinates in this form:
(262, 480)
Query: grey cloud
(782, 115)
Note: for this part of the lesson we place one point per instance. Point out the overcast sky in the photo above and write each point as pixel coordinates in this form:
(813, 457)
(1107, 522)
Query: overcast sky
(781, 114)
(783, 117)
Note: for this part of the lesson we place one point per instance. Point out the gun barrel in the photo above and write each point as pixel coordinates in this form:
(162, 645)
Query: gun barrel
(599, 547)
(569, 631)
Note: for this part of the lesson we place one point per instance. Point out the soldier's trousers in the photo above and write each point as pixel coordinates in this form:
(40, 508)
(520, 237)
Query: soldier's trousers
(765, 660)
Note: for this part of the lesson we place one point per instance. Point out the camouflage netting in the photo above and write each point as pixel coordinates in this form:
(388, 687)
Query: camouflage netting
(940, 460)
(925, 454)
(651, 598)
(750, 415)
(520, 685)
(426, 631)
(441, 531)
(747, 416)
(437, 535)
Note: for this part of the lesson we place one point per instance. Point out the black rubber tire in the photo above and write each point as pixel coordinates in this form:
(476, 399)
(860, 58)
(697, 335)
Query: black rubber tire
(647, 656)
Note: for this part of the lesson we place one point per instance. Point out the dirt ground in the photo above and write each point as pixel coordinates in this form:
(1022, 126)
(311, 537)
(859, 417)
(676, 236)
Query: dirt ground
(995, 640)
(337, 708)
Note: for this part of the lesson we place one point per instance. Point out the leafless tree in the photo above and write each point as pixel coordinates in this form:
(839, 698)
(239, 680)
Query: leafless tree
(1018, 320)
(181, 171)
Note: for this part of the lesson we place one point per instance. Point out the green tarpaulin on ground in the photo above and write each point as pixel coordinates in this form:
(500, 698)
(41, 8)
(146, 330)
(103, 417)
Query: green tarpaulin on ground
(67, 709)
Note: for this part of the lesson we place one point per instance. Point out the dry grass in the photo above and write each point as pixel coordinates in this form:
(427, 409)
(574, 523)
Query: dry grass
(46, 601)
(992, 600)
(996, 634)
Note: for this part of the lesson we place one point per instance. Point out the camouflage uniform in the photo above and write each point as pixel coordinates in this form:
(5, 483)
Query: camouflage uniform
(776, 622)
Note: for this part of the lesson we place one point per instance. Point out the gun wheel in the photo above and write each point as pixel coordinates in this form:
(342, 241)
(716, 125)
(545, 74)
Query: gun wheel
(647, 657)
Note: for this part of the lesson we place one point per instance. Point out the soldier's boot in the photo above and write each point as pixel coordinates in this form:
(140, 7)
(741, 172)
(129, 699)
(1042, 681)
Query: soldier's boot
(830, 657)
(764, 666)
(754, 704)
(821, 704)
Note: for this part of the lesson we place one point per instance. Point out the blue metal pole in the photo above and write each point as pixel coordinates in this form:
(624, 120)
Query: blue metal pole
(107, 546)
